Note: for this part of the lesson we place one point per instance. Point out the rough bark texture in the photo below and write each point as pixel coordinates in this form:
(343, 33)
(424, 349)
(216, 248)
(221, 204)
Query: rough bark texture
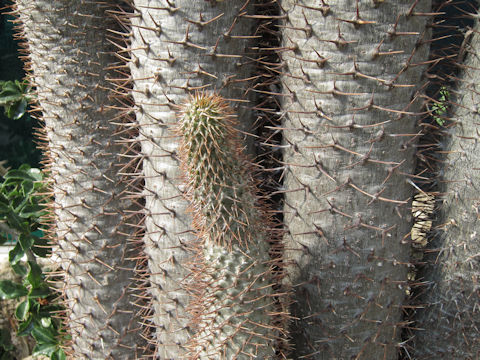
(352, 71)
(449, 306)
(178, 47)
(69, 51)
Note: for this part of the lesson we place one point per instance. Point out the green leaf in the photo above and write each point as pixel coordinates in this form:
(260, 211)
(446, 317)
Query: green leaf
(14, 98)
(16, 222)
(58, 355)
(34, 276)
(22, 310)
(10, 110)
(4, 202)
(47, 349)
(9, 98)
(20, 109)
(44, 335)
(11, 87)
(12, 290)
(41, 247)
(16, 254)
(5, 343)
(40, 292)
(26, 327)
(27, 187)
(4, 209)
(49, 310)
(26, 241)
(19, 269)
(32, 210)
(35, 173)
(19, 174)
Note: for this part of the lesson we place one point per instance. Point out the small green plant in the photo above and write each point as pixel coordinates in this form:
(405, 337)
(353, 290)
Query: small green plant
(14, 97)
(21, 210)
(440, 107)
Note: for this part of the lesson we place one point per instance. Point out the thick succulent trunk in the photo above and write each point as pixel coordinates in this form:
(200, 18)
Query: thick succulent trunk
(179, 47)
(449, 316)
(352, 70)
(69, 51)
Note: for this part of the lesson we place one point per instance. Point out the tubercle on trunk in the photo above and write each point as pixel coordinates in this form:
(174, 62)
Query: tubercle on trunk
(239, 310)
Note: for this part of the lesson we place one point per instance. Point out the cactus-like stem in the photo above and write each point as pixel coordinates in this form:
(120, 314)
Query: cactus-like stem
(448, 317)
(69, 58)
(348, 94)
(235, 312)
(177, 47)
(220, 186)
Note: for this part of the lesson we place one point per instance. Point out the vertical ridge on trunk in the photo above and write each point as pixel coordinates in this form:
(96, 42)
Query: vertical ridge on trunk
(448, 314)
(351, 76)
(177, 47)
(68, 52)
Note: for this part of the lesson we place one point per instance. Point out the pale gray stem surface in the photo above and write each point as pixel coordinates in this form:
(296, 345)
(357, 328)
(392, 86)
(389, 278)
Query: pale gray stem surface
(350, 81)
(179, 47)
(69, 52)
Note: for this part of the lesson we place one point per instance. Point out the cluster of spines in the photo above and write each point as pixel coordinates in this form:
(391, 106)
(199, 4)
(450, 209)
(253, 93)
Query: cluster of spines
(219, 183)
(236, 311)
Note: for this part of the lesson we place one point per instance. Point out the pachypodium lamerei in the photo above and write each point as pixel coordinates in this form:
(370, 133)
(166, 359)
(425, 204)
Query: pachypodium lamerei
(176, 47)
(448, 320)
(237, 311)
(70, 61)
(351, 77)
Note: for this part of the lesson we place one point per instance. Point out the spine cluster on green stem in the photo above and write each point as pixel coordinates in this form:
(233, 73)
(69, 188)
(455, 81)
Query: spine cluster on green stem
(236, 311)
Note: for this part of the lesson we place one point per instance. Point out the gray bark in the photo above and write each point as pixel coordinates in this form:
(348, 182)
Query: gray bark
(69, 52)
(179, 47)
(449, 307)
(352, 70)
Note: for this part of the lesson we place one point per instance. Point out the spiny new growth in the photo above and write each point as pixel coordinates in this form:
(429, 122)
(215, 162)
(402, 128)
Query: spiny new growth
(220, 186)
(236, 311)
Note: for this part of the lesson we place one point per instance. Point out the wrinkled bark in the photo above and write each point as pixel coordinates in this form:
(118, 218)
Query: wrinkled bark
(352, 70)
(69, 51)
(449, 305)
(178, 48)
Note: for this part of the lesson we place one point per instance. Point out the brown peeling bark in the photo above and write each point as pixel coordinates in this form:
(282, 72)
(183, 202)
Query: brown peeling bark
(68, 53)
(351, 76)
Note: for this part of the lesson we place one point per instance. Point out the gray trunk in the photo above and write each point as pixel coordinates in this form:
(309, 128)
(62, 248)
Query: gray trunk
(69, 52)
(179, 47)
(449, 313)
(352, 70)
